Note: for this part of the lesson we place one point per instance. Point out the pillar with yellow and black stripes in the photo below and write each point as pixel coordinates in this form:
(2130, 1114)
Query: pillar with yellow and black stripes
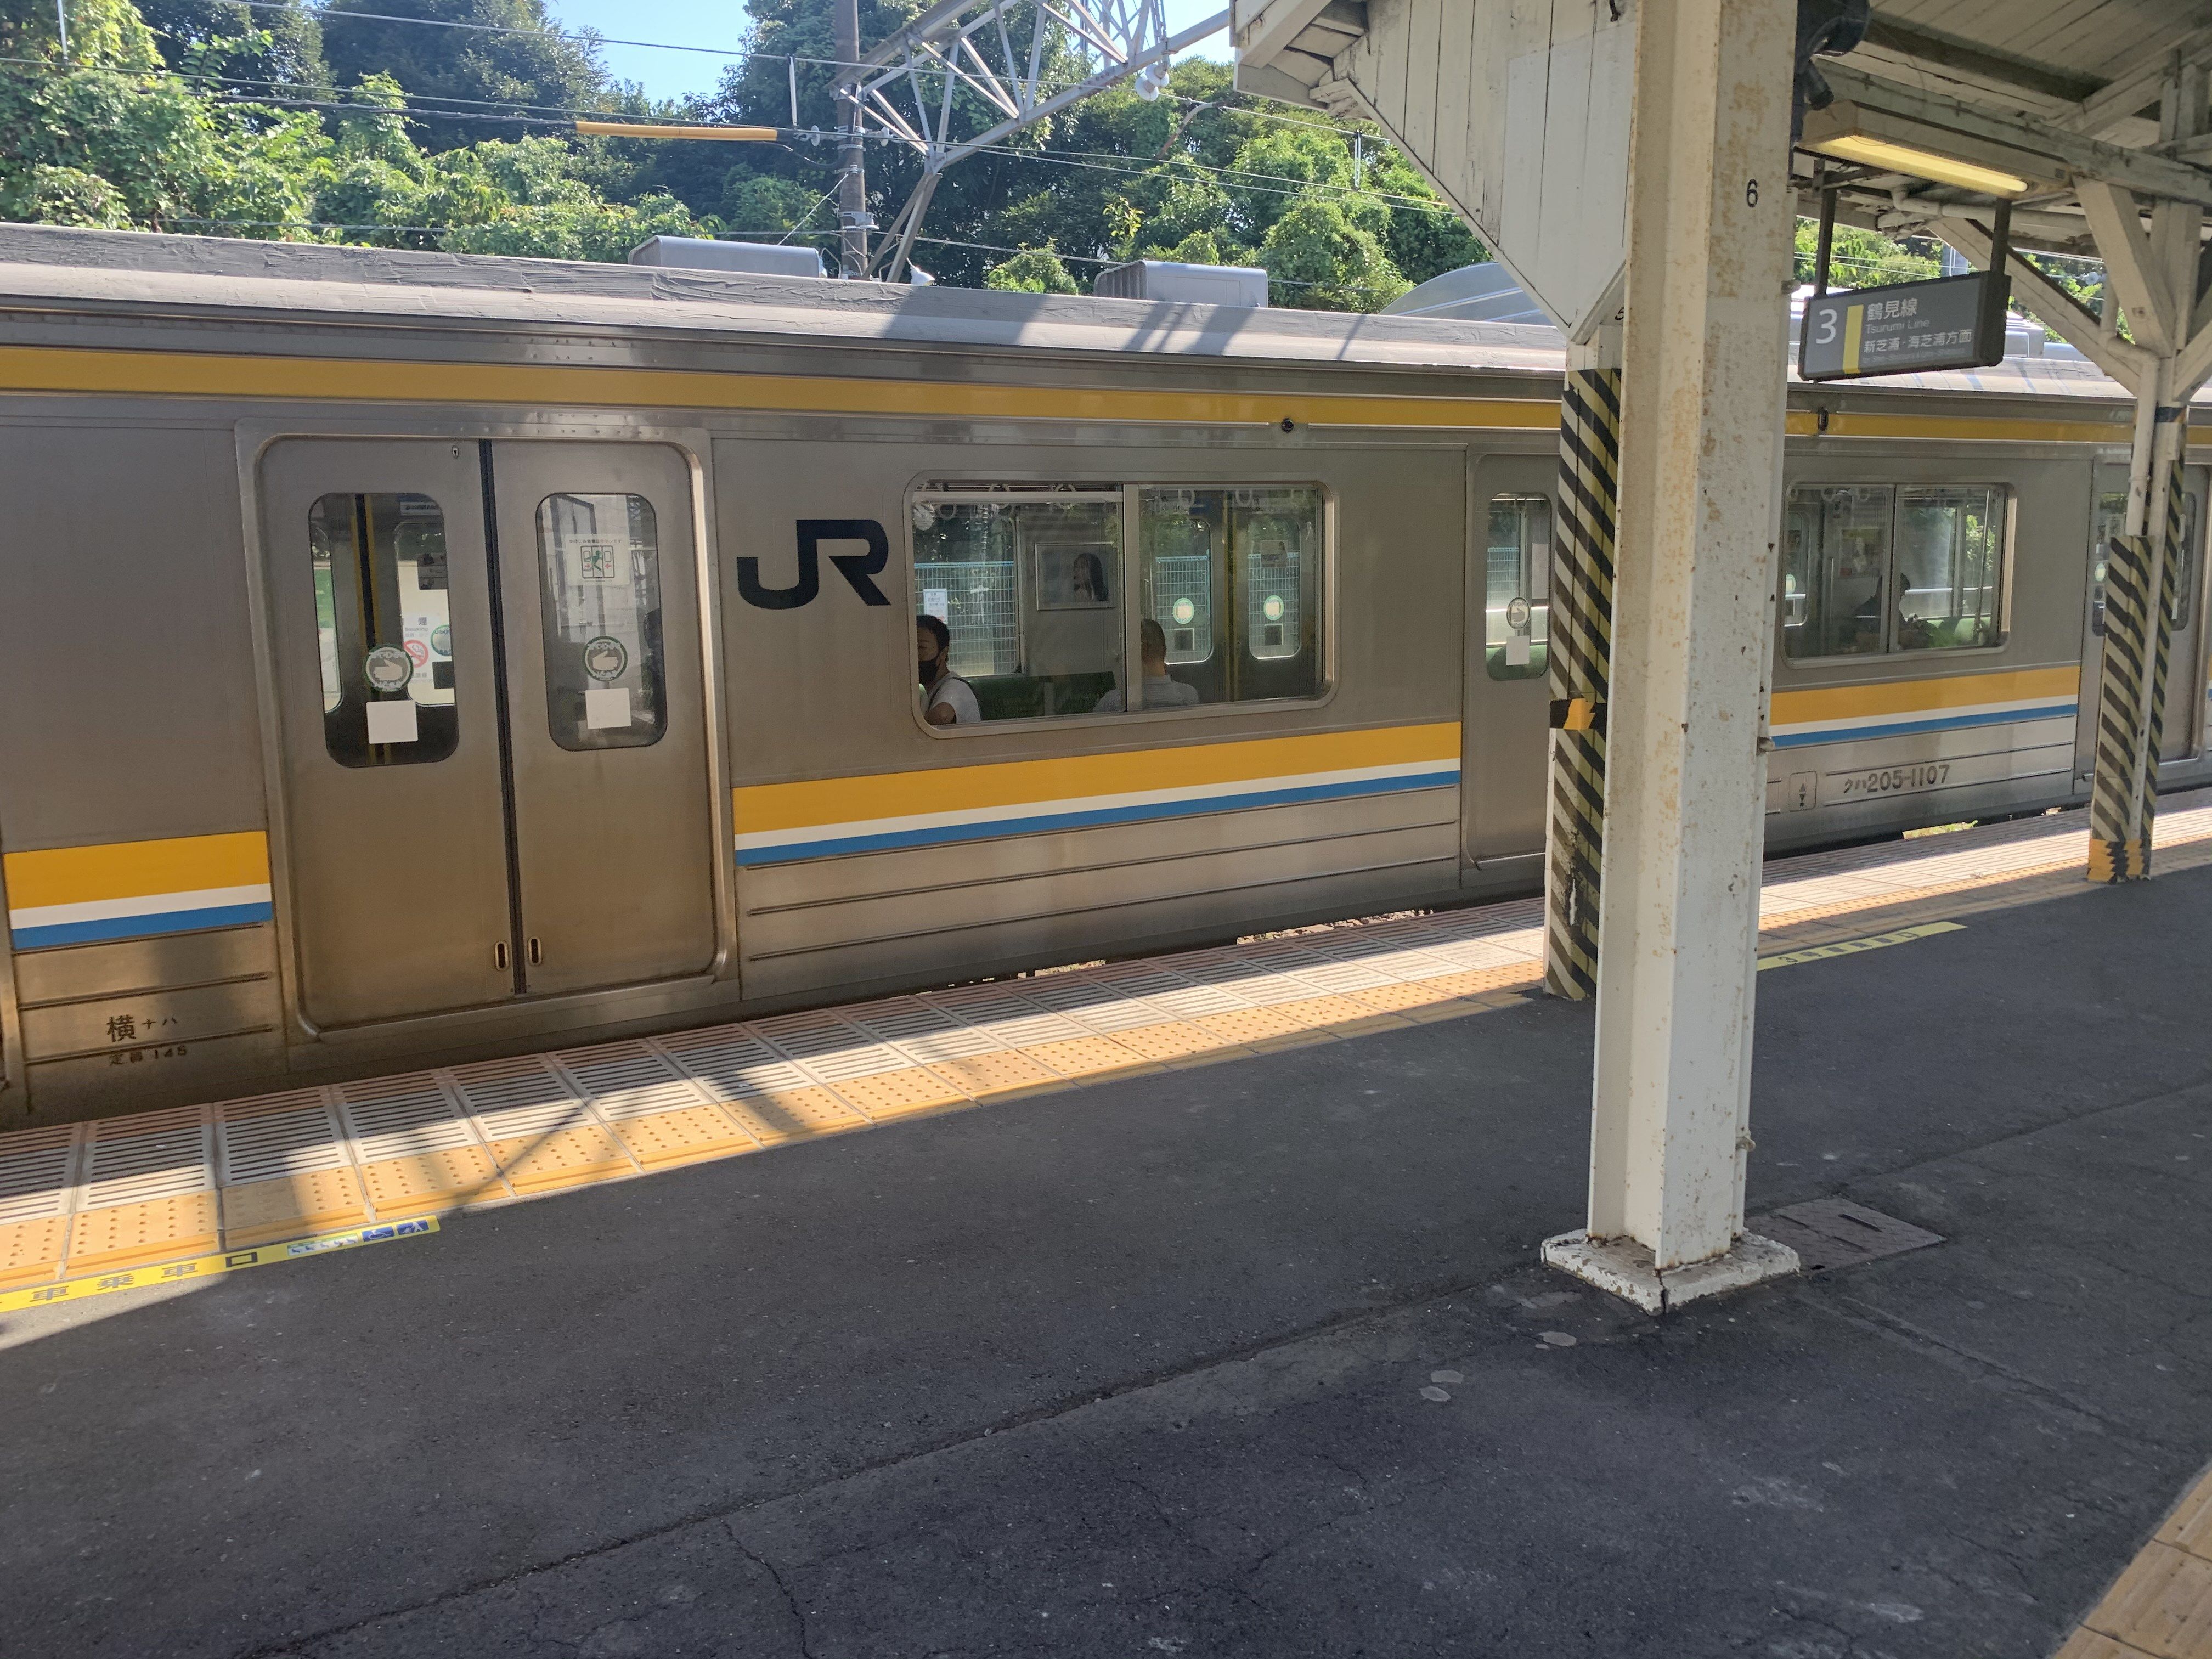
(2142, 573)
(1581, 626)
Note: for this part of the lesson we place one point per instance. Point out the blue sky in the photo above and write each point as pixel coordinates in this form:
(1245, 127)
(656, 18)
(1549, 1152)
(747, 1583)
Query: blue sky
(720, 24)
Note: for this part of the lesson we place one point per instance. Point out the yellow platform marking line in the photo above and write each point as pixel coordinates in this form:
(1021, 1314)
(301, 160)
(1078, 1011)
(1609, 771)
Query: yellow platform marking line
(214, 374)
(2160, 1607)
(1852, 947)
(214, 1265)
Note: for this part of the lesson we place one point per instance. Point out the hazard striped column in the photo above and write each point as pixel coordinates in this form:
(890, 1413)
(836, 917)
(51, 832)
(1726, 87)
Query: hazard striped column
(2141, 572)
(1580, 672)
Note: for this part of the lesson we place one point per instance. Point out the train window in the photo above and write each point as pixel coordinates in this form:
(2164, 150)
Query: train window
(1869, 569)
(384, 627)
(1516, 603)
(598, 560)
(1028, 584)
(1230, 598)
(1950, 555)
(2112, 520)
(1833, 574)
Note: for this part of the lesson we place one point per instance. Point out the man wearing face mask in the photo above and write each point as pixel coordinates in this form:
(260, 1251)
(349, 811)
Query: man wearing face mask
(946, 699)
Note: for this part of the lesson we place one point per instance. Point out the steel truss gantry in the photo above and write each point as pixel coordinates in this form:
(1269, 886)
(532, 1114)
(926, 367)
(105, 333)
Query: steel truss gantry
(999, 52)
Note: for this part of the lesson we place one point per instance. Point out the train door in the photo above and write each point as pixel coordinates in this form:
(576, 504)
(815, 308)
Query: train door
(2182, 731)
(1505, 725)
(494, 752)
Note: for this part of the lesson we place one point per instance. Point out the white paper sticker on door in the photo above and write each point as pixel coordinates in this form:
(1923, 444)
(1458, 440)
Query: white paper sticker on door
(606, 708)
(391, 722)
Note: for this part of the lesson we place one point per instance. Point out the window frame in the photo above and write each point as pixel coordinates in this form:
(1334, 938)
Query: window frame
(1897, 488)
(939, 485)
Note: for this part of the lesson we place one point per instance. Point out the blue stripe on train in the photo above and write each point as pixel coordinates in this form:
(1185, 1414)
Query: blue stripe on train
(1907, 728)
(114, 927)
(942, 834)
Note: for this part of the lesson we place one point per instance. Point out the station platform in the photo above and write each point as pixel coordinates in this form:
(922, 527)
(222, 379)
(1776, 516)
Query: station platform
(93, 1208)
(1218, 1332)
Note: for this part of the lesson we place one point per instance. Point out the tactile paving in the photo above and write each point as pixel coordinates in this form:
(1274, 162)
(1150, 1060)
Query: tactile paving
(1089, 1057)
(419, 1182)
(1175, 1040)
(32, 1250)
(151, 1229)
(561, 1158)
(659, 1138)
(286, 1206)
(893, 1094)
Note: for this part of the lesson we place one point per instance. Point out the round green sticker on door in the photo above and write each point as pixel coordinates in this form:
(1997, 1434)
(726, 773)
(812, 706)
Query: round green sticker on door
(604, 658)
(387, 668)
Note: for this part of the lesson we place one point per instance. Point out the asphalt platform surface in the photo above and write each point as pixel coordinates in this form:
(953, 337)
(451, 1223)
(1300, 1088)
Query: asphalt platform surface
(1139, 1369)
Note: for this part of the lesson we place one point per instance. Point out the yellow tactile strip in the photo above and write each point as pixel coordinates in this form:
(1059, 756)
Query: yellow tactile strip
(170, 1185)
(2161, 1608)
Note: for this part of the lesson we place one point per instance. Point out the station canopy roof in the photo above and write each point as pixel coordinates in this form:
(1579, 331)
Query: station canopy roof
(2023, 99)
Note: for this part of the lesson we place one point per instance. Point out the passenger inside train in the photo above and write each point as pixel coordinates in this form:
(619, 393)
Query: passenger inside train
(948, 700)
(1162, 689)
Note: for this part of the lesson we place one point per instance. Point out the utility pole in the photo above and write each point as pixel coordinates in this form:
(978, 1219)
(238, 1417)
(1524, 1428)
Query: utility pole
(853, 221)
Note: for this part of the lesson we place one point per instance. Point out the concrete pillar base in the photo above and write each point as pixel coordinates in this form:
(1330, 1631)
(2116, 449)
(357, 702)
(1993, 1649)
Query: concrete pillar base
(1623, 1267)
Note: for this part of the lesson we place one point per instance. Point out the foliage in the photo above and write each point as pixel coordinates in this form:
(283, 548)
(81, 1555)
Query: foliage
(534, 67)
(279, 46)
(1866, 258)
(327, 121)
(1038, 270)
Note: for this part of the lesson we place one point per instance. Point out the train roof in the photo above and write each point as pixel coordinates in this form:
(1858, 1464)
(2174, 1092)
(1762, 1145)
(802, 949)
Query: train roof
(274, 281)
(104, 270)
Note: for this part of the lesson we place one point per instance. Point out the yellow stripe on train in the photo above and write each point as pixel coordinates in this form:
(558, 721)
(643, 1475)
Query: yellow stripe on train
(55, 368)
(954, 788)
(1890, 697)
(170, 373)
(136, 869)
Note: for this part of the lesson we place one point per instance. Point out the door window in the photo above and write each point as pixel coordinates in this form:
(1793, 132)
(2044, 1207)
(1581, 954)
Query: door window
(598, 559)
(2112, 520)
(1231, 581)
(1516, 604)
(385, 629)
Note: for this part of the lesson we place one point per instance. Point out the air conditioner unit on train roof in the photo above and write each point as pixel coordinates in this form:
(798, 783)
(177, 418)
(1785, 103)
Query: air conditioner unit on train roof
(698, 253)
(1167, 279)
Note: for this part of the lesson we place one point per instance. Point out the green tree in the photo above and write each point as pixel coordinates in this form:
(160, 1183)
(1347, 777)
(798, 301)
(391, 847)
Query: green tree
(1866, 258)
(1327, 254)
(1038, 270)
(106, 138)
(266, 48)
(1422, 241)
(452, 73)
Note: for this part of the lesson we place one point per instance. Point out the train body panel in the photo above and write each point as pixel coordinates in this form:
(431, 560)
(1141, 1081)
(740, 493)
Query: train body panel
(417, 658)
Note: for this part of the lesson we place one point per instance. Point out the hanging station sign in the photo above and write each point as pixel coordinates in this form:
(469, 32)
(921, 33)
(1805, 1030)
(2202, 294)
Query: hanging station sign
(1954, 322)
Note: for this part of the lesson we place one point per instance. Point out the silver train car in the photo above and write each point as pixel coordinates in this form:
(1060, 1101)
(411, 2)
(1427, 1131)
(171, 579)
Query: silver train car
(418, 657)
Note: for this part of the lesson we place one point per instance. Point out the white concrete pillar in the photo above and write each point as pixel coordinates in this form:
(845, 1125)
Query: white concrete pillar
(1709, 216)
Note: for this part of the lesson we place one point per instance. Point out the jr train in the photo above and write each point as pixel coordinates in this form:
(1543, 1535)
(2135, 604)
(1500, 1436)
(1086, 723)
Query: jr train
(416, 656)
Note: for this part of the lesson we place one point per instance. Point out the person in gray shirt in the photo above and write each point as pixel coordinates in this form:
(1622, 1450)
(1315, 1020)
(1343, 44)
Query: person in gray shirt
(1162, 689)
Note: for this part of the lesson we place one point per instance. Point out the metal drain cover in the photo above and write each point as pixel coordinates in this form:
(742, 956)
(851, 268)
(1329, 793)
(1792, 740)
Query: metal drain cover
(1834, 1232)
